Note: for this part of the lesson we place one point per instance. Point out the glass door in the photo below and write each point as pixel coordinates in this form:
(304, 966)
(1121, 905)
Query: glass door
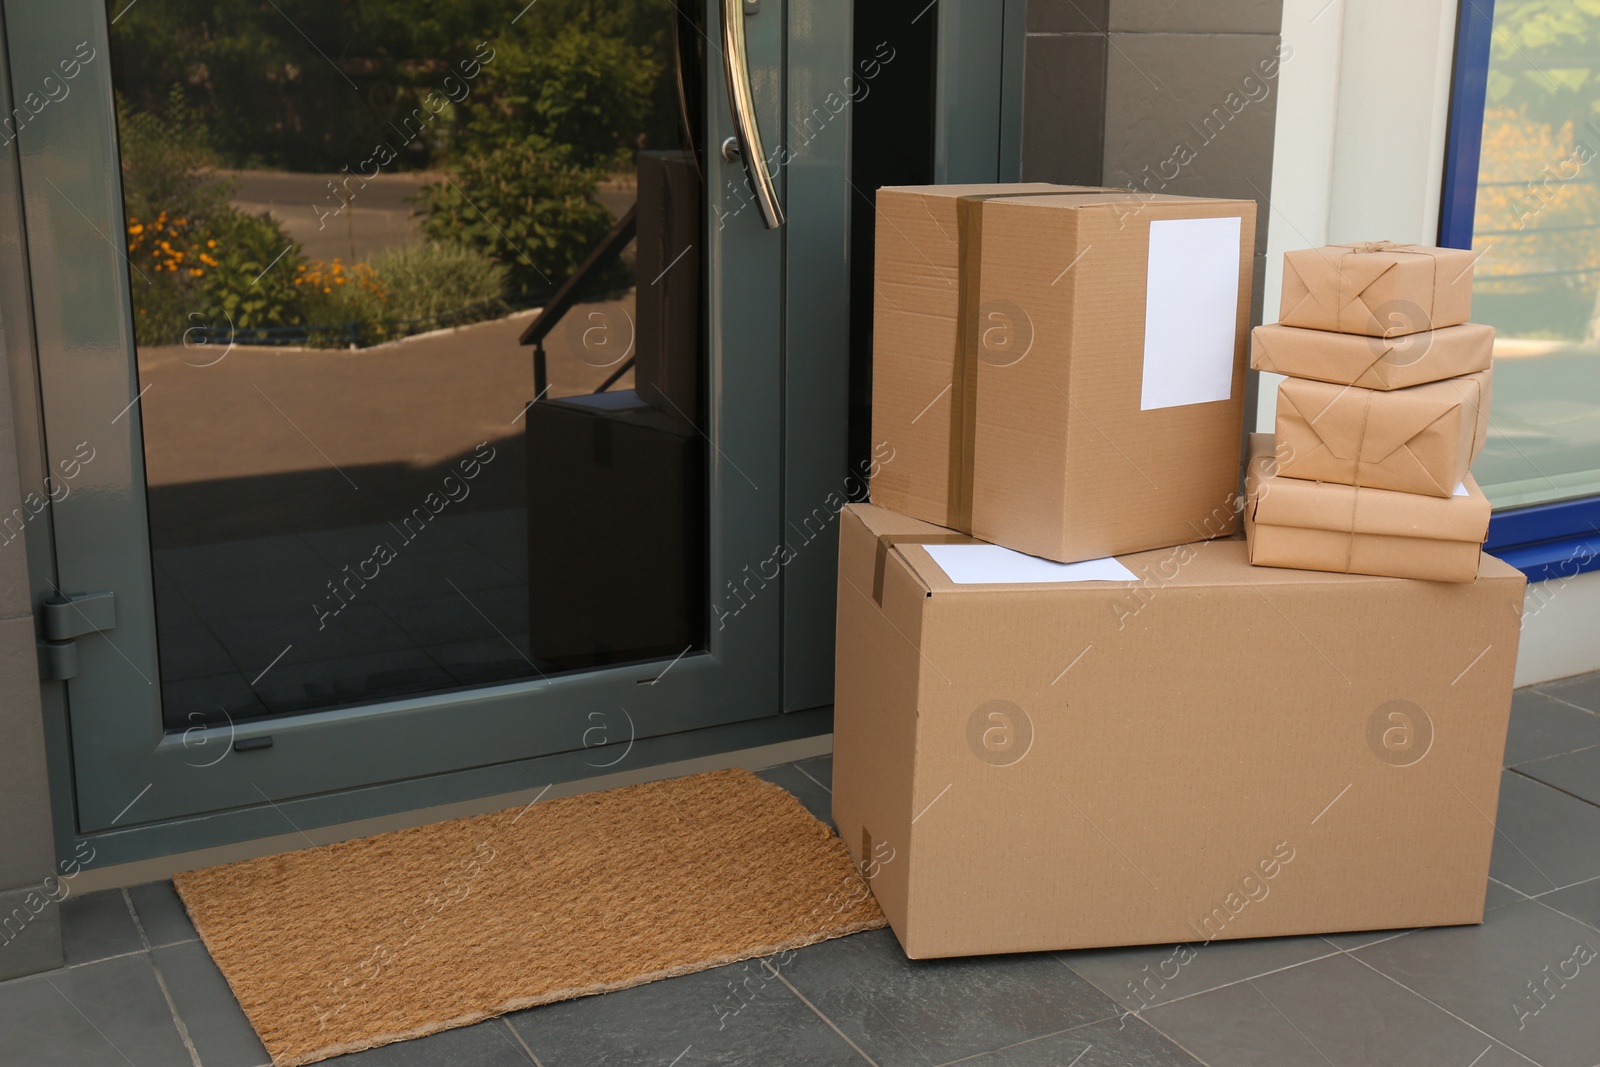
(409, 377)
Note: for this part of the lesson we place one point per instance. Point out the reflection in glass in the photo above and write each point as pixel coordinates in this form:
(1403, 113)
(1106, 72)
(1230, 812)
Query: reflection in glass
(363, 240)
(1537, 238)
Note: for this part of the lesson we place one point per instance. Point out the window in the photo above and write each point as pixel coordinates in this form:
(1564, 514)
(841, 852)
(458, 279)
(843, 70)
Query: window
(1536, 233)
(1522, 189)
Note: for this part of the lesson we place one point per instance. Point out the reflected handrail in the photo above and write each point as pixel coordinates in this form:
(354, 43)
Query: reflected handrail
(607, 250)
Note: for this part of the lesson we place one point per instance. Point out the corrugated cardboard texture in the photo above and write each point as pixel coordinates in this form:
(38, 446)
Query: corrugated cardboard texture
(917, 400)
(1373, 362)
(1376, 288)
(1217, 751)
(1416, 440)
(1330, 527)
(1066, 464)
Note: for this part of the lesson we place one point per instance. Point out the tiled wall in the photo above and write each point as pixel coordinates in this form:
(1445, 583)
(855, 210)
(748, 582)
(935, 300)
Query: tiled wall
(1173, 96)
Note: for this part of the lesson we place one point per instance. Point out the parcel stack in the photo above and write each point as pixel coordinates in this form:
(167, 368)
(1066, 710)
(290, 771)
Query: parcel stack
(1385, 407)
(1069, 712)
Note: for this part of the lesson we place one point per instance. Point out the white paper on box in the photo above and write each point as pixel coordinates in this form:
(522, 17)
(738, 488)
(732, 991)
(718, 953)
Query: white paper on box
(993, 565)
(1461, 490)
(1190, 312)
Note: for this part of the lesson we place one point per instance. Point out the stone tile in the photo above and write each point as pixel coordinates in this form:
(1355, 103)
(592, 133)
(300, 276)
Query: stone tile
(500, 529)
(468, 569)
(1158, 974)
(817, 800)
(255, 593)
(95, 926)
(488, 660)
(1544, 839)
(217, 1025)
(487, 1044)
(1067, 16)
(736, 1016)
(358, 629)
(451, 618)
(107, 1014)
(162, 914)
(216, 698)
(819, 769)
(1482, 973)
(1498, 896)
(351, 680)
(30, 932)
(1581, 689)
(1124, 1042)
(1333, 1011)
(1205, 93)
(1577, 773)
(1351, 941)
(1542, 727)
(1581, 902)
(916, 1012)
(1185, 16)
(189, 649)
(1063, 103)
(225, 561)
(352, 544)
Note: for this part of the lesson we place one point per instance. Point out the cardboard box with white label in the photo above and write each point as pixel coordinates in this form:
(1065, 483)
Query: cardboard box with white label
(1171, 746)
(1109, 334)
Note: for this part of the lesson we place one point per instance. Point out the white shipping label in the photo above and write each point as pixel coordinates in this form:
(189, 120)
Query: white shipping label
(991, 564)
(1191, 312)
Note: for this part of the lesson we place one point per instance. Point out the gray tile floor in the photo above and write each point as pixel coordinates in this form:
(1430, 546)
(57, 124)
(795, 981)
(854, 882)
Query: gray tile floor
(242, 635)
(140, 990)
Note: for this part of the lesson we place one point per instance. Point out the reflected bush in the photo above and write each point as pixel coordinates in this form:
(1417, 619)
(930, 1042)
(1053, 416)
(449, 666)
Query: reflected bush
(530, 209)
(439, 282)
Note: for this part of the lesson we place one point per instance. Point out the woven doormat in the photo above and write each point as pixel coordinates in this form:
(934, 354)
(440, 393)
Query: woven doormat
(335, 949)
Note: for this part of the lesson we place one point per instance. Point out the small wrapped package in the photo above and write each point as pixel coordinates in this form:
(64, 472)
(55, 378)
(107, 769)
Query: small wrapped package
(1376, 288)
(1416, 440)
(1373, 362)
(1324, 526)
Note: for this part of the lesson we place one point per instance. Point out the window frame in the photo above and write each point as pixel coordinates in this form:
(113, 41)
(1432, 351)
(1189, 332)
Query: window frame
(1544, 541)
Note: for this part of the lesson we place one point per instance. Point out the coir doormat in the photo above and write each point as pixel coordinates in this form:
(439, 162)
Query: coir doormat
(348, 946)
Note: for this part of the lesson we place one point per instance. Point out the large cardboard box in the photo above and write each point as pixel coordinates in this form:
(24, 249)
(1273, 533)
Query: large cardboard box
(921, 378)
(1416, 440)
(1214, 751)
(1326, 526)
(1373, 362)
(1377, 288)
(1110, 371)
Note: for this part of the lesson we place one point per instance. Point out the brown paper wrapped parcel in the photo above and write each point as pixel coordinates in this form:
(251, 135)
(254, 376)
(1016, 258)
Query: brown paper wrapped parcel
(1416, 440)
(1373, 362)
(1323, 526)
(1376, 288)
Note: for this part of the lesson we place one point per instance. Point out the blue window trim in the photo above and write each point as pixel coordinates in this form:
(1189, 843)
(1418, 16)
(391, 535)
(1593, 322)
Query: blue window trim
(1548, 540)
(1545, 541)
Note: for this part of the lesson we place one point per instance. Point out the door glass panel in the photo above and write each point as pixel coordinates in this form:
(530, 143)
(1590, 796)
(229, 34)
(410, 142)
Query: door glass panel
(1537, 241)
(417, 298)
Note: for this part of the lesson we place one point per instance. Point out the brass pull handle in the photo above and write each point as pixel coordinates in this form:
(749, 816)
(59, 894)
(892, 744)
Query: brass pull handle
(736, 66)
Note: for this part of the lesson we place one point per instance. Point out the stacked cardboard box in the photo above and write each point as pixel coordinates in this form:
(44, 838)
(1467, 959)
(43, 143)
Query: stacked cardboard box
(1385, 407)
(1069, 711)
